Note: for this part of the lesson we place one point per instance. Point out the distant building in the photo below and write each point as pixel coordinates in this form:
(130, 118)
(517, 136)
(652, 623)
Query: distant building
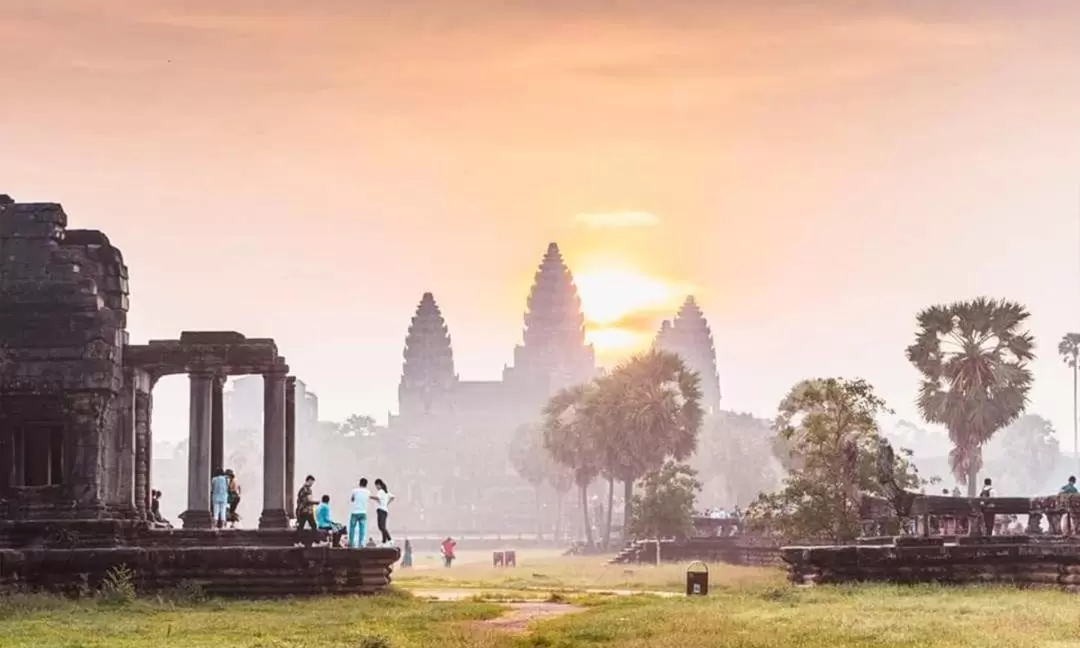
(454, 433)
(244, 406)
(690, 338)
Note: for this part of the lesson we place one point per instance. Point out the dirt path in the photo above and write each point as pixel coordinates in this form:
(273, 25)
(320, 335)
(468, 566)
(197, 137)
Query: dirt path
(462, 594)
(522, 614)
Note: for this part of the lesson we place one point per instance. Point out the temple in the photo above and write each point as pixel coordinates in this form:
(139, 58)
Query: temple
(453, 432)
(690, 338)
(76, 441)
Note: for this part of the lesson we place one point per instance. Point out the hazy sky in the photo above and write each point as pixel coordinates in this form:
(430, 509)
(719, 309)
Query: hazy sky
(307, 169)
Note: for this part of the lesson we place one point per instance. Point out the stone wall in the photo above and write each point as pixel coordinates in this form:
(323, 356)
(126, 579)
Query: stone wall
(248, 572)
(1019, 560)
(731, 550)
(63, 312)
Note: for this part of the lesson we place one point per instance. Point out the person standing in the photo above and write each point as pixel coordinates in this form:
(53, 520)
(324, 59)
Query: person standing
(358, 516)
(383, 497)
(219, 497)
(406, 555)
(305, 505)
(448, 547)
(234, 497)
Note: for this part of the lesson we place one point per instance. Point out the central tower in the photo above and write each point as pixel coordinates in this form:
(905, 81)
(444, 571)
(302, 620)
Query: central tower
(553, 353)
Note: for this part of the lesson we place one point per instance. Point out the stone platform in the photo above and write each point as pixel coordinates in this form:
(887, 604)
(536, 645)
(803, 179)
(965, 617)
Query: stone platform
(1025, 561)
(236, 571)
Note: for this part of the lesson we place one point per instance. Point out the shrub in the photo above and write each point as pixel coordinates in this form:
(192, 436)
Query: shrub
(118, 586)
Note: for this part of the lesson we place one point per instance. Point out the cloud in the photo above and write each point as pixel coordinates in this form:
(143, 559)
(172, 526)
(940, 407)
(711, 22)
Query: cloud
(618, 219)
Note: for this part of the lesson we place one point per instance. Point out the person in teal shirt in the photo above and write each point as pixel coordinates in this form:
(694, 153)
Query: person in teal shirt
(324, 523)
(1070, 488)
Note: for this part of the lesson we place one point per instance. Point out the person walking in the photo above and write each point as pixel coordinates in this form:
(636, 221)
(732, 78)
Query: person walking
(383, 497)
(447, 548)
(219, 498)
(305, 505)
(358, 516)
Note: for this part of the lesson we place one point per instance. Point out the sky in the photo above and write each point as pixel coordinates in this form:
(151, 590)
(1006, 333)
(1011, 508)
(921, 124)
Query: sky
(815, 173)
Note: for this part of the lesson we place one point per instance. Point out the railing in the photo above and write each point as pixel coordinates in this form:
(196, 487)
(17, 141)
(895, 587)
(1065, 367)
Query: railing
(943, 515)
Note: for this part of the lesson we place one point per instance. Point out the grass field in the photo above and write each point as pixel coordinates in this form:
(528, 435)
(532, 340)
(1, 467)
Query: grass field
(747, 608)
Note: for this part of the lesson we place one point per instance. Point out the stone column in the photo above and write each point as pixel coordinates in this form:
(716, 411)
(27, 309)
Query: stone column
(124, 471)
(290, 446)
(217, 423)
(143, 453)
(273, 514)
(197, 515)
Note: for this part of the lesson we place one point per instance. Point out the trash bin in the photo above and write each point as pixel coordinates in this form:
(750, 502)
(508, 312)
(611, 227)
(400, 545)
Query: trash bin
(498, 559)
(697, 579)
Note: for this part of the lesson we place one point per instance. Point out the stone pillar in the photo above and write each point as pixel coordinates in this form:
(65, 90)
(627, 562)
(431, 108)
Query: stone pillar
(197, 515)
(290, 447)
(143, 453)
(217, 424)
(123, 493)
(273, 514)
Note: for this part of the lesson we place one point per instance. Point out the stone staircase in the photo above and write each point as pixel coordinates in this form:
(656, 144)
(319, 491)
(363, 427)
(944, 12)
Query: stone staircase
(630, 554)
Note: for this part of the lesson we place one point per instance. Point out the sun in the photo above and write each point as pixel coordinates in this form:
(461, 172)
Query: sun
(619, 303)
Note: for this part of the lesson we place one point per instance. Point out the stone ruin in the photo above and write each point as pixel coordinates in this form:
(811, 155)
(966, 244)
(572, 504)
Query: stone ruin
(76, 439)
(954, 540)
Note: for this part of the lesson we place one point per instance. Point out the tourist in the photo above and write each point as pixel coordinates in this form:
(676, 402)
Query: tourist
(945, 492)
(219, 497)
(956, 492)
(371, 543)
(324, 523)
(987, 489)
(358, 516)
(406, 555)
(305, 505)
(447, 548)
(382, 510)
(234, 498)
(1070, 488)
(155, 510)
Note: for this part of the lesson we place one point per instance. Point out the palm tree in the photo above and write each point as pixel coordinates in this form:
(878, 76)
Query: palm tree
(571, 439)
(973, 357)
(1069, 350)
(652, 403)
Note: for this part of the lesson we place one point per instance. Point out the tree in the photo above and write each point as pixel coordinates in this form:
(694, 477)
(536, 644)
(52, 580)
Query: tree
(830, 426)
(651, 406)
(735, 450)
(664, 505)
(1024, 454)
(1069, 350)
(973, 357)
(531, 462)
(570, 437)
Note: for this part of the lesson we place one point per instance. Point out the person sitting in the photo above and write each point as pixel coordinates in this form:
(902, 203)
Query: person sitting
(323, 522)
(371, 543)
(1070, 488)
(155, 510)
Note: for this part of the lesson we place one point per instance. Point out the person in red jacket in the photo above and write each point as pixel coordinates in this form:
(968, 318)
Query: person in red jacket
(448, 551)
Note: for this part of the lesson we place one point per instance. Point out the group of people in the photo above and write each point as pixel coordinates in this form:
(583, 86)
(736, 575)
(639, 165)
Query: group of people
(224, 498)
(317, 516)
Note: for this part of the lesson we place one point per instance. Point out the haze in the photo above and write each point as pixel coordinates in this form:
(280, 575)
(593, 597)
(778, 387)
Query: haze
(814, 175)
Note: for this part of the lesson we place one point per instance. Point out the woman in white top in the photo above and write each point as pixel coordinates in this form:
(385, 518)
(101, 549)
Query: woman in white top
(382, 510)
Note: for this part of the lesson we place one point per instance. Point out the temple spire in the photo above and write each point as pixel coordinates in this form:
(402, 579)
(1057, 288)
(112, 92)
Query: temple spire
(690, 337)
(554, 351)
(427, 375)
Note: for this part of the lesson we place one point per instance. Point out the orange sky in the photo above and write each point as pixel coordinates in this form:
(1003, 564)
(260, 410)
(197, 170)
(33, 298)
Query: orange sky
(306, 169)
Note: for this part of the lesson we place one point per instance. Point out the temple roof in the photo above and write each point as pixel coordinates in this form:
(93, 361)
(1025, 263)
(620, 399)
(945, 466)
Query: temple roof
(690, 337)
(428, 355)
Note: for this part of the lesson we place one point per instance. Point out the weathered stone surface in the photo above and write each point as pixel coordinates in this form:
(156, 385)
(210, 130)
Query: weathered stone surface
(249, 572)
(76, 444)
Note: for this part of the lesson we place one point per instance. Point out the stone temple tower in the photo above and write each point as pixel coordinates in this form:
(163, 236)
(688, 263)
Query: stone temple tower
(427, 376)
(689, 337)
(553, 354)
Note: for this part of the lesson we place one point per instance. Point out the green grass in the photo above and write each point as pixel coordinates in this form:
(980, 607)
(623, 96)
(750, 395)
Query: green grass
(747, 608)
(576, 573)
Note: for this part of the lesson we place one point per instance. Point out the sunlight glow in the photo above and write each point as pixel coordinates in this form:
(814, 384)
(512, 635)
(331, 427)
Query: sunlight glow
(610, 294)
(609, 340)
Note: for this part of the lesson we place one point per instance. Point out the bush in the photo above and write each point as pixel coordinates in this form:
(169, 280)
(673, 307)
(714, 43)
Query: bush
(186, 592)
(118, 586)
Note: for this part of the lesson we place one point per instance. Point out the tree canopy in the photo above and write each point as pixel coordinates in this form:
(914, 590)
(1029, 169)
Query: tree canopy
(829, 428)
(973, 357)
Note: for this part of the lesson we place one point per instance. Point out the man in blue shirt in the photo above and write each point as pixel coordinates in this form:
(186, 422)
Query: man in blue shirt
(219, 497)
(324, 523)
